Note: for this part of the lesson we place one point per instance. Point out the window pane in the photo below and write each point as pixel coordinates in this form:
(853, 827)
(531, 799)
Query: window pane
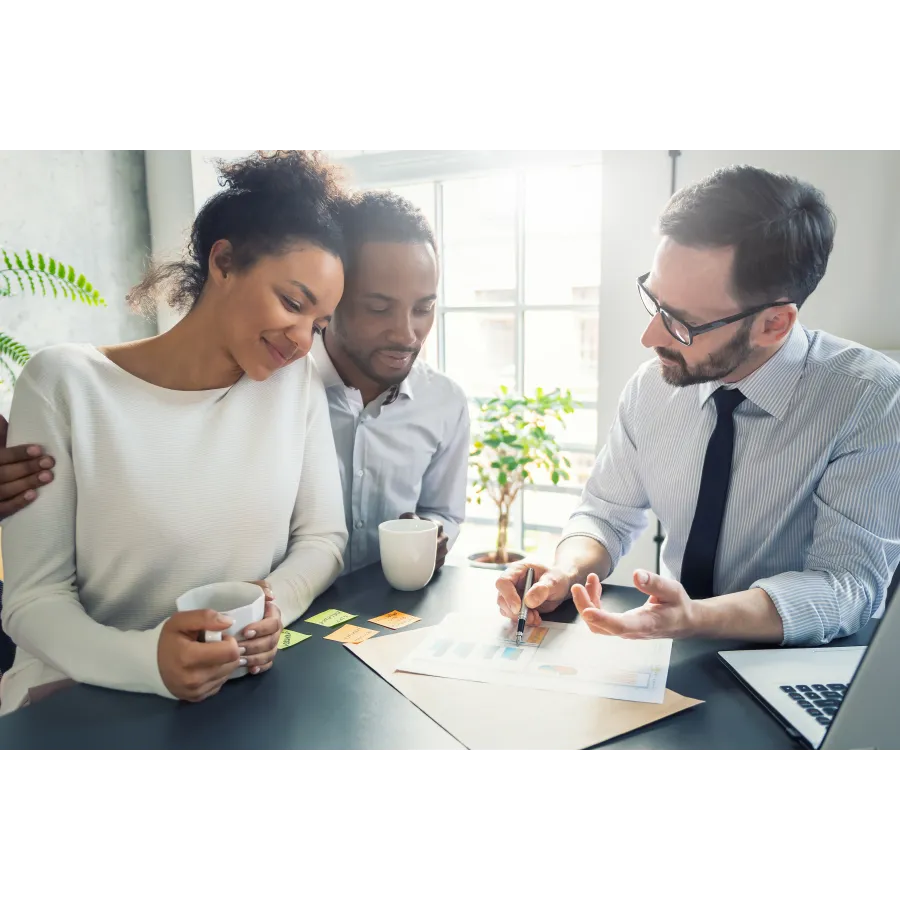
(548, 508)
(429, 352)
(541, 544)
(479, 241)
(561, 351)
(562, 236)
(580, 428)
(579, 471)
(480, 351)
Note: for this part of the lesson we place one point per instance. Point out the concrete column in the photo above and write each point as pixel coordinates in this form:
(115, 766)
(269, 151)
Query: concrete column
(170, 200)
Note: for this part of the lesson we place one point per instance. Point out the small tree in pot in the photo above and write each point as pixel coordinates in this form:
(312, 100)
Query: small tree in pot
(512, 442)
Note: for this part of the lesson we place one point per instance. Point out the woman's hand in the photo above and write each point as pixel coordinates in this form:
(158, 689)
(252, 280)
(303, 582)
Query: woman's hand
(192, 670)
(259, 641)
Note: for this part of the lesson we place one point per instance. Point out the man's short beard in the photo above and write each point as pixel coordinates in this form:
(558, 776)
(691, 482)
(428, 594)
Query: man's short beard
(363, 363)
(717, 366)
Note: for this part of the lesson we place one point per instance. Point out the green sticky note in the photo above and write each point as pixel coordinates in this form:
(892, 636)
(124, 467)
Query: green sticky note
(289, 638)
(331, 617)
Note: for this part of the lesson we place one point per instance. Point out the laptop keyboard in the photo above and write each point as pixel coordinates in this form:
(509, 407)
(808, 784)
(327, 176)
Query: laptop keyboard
(820, 701)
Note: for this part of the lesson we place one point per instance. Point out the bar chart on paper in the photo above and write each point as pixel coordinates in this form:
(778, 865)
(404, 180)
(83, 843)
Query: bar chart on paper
(553, 657)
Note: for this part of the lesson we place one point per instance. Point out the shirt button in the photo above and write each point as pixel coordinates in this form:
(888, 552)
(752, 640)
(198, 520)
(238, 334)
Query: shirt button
(359, 525)
(360, 473)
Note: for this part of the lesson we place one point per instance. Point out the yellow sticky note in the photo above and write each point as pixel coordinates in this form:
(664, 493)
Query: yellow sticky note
(331, 617)
(289, 638)
(395, 619)
(351, 634)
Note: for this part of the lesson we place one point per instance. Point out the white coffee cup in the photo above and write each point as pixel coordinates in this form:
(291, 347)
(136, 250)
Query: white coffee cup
(408, 549)
(239, 600)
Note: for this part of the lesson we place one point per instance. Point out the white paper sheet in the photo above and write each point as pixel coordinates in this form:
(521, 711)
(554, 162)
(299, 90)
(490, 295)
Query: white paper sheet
(564, 658)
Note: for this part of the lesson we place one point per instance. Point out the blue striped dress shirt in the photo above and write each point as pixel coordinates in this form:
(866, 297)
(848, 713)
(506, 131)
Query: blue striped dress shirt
(813, 512)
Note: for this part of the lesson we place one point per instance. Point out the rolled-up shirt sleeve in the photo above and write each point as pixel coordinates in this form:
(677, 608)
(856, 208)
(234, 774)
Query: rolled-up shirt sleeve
(614, 504)
(856, 537)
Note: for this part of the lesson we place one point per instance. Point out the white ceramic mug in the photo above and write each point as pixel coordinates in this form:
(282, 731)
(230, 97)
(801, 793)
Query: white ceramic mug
(240, 600)
(408, 550)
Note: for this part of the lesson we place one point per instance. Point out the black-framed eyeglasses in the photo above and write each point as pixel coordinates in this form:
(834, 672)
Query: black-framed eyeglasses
(681, 331)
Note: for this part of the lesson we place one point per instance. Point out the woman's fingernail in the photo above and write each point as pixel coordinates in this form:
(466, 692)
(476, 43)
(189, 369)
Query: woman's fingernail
(249, 634)
(224, 620)
(44, 477)
(30, 495)
(642, 576)
(254, 670)
(242, 661)
(34, 451)
(242, 650)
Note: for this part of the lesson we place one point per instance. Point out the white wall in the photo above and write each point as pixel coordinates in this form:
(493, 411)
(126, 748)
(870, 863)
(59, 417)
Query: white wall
(170, 199)
(89, 209)
(857, 299)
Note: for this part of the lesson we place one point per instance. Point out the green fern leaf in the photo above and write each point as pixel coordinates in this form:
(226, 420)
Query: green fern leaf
(13, 350)
(29, 259)
(18, 260)
(71, 275)
(6, 261)
(30, 281)
(42, 265)
(81, 281)
(51, 268)
(40, 279)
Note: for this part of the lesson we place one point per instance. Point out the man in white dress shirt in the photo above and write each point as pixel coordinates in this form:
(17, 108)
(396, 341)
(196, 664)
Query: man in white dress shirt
(770, 452)
(401, 429)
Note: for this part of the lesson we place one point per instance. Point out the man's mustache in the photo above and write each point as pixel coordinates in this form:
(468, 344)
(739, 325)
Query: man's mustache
(662, 353)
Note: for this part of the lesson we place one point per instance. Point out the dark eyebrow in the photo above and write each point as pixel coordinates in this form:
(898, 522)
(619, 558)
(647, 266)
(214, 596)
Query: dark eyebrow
(672, 310)
(386, 299)
(309, 294)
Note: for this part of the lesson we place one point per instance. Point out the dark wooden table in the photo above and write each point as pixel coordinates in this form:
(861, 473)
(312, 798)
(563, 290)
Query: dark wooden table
(319, 695)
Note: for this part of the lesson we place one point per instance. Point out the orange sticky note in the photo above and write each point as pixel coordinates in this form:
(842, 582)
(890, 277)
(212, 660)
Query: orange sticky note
(351, 634)
(395, 619)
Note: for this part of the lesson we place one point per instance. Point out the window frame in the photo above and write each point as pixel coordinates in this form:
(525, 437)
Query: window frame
(393, 171)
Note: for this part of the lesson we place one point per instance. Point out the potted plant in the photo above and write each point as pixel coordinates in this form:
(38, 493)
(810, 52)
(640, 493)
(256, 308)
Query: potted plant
(512, 442)
(29, 275)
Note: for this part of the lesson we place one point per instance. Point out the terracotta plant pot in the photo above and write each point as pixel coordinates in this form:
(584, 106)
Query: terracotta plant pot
(484, 559)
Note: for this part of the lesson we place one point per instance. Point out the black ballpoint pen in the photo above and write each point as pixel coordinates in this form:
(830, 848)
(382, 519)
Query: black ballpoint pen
(523, 609)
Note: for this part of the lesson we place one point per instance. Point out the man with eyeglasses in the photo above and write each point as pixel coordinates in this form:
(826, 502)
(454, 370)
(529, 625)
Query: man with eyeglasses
(769, 452)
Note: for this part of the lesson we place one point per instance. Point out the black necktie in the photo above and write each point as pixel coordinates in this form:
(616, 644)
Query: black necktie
(703, 541)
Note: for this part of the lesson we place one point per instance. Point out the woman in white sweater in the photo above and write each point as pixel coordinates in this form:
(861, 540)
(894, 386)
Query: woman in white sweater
(201, 455)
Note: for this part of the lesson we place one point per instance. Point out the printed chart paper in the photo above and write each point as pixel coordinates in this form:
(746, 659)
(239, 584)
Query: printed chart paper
(564, 658)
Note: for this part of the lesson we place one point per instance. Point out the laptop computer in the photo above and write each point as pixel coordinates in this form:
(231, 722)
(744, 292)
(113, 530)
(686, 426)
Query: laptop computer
(831, 698)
